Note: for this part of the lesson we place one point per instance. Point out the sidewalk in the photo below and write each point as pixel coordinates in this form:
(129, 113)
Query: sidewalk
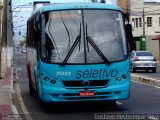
(6, 89)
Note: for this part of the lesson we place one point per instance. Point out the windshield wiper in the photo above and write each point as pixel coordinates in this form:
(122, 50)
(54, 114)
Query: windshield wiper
(78, 40)
(96, 48)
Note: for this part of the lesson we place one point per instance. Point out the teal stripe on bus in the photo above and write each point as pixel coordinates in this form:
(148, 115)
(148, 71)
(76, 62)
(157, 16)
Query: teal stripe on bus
(66, 6)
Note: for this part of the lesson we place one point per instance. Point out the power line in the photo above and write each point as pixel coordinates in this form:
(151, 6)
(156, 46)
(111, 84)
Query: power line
(22, 11)
(20, 26)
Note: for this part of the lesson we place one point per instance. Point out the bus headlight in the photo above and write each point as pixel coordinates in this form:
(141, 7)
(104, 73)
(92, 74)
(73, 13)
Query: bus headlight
(124, 76)
(46, 79)
(53, 81)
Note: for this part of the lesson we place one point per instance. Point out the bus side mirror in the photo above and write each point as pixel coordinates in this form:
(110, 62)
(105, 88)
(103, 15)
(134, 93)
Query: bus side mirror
(129, 37)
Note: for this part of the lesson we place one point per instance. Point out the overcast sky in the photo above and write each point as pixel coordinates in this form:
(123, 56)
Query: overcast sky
(20, 18)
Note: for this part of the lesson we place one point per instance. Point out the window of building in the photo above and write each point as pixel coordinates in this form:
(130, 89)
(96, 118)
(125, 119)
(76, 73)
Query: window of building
(149, 21)
(136, 22)
(133, 22)
(140, 22)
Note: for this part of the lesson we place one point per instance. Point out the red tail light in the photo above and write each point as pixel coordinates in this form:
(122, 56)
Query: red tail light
(154, 59)
(136, 59)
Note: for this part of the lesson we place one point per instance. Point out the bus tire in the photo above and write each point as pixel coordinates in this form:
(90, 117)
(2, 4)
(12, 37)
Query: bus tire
(133, 69)
(31, 89)
(147, 70)
(111, 103)
(154, 70)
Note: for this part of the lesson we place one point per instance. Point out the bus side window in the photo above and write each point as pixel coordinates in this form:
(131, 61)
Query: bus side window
(36, 30)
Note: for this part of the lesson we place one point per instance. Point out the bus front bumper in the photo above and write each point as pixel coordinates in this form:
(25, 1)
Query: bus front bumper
(60, 94)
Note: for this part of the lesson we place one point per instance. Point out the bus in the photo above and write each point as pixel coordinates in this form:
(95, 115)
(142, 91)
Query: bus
(78, 52)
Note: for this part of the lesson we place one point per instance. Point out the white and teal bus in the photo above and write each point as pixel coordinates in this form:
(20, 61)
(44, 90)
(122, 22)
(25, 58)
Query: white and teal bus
(78, 52)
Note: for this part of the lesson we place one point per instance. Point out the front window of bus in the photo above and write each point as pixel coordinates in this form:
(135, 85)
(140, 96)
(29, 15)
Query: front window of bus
(78, 36)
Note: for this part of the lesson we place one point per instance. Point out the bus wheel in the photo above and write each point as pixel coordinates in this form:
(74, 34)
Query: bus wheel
(133, 69)
(154, 70)
(31, 89)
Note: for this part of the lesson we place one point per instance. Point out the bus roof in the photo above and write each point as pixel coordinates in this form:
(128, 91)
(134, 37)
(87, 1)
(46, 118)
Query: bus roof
(67, 6)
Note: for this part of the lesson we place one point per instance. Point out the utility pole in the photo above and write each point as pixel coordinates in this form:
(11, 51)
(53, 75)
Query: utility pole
(6, 43)
(143, 23)
(4, 23)
(129, 11)
(1, 7)
(4, 39)
(9, 23)
(9, 34)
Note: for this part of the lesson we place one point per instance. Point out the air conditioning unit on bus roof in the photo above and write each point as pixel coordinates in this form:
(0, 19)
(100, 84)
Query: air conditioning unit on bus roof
(39, 4)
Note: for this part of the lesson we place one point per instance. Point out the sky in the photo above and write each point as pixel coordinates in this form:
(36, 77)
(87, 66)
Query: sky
(21, 14)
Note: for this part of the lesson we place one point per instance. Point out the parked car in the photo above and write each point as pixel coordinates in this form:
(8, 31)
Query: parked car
(143, 60)
(23, 50)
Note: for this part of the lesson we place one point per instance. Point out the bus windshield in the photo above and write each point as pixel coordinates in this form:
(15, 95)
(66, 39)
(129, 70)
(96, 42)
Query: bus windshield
(83, 36)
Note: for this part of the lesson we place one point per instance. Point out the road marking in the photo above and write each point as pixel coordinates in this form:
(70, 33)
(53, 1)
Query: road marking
(15, 111)
(20, 100)
(145, 84)
(141, 83)
(157, 87)
(119, 103)
(19, 69)
(145, 77)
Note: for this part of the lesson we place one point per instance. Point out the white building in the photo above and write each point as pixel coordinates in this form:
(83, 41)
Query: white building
(149, 26)
(151, 20)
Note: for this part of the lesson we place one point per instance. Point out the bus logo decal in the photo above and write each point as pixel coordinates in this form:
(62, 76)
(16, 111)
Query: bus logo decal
(101, 73)
(86, 83)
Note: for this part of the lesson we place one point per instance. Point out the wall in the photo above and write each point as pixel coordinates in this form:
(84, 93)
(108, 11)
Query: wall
(150, 10)
(123, 4)
(153, 46)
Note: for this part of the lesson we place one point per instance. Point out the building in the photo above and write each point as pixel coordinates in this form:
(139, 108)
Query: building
(124, 5)
(146, 22)
(151, 20)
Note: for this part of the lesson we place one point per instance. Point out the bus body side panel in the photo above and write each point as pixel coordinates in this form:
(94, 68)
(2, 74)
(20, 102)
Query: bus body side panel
(109, 82)
(32, 66)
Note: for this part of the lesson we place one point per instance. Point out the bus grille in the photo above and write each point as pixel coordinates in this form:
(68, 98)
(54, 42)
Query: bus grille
(81, 84)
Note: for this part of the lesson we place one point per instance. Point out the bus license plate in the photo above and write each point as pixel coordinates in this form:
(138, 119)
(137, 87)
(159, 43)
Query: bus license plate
(86, 93)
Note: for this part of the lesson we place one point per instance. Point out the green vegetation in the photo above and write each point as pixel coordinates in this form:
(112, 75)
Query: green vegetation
(23, 42)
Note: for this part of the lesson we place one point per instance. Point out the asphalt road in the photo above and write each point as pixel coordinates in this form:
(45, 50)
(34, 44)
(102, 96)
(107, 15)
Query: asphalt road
(149, 74)
(144, 99)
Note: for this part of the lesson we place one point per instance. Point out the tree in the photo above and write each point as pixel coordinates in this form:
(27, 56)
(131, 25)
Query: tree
(23, 43)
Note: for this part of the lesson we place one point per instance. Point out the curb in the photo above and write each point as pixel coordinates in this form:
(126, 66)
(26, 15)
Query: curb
(146, 80)
(20, 100)
(8, 110)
